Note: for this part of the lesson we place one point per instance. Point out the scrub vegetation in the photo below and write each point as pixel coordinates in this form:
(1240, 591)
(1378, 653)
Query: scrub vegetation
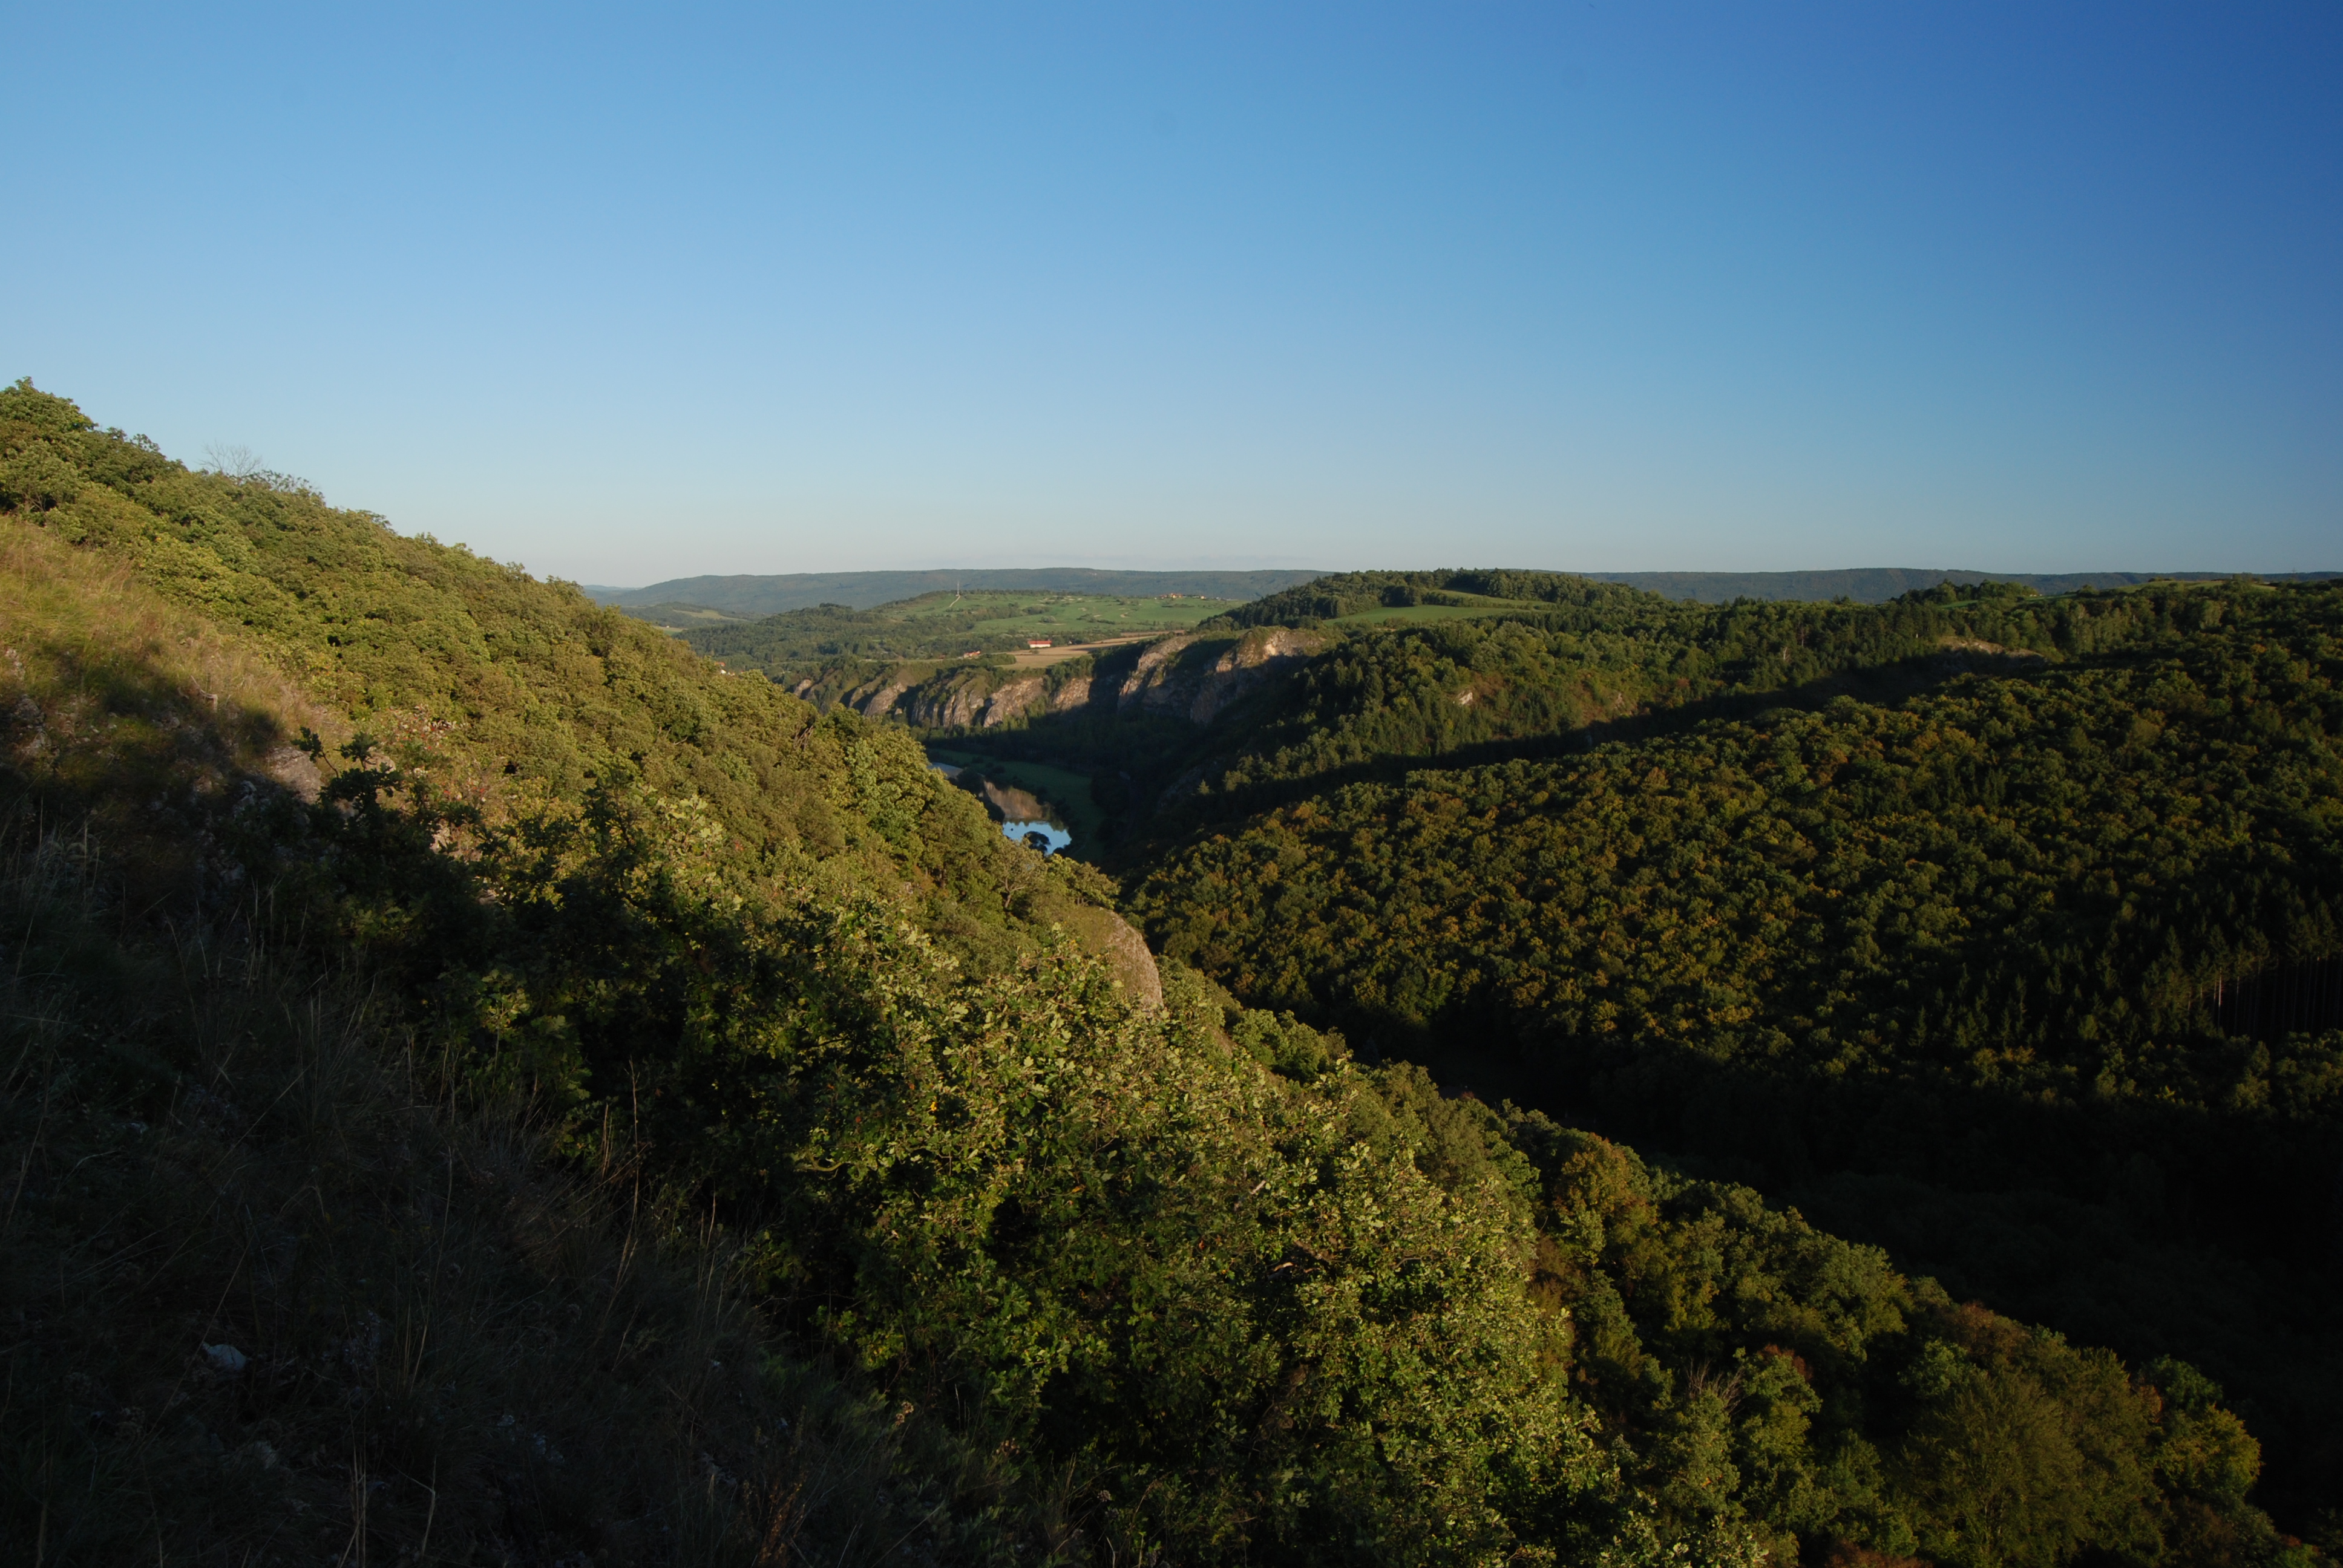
(487, 1085)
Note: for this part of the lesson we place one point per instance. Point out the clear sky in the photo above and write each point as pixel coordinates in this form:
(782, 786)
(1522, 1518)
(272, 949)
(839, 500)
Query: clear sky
(625, 295)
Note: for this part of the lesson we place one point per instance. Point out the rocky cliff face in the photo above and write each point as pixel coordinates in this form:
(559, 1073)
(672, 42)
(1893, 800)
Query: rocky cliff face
(881, 696)
(1113, 938)
(1014, 700)
(937, 706)
(1198, 678)
(980, 700)
(1186, 675)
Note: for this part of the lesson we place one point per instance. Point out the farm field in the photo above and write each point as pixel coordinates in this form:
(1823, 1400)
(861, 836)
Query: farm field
(941, 627)
(1468, 607)
(675, 618)
(1087, 618)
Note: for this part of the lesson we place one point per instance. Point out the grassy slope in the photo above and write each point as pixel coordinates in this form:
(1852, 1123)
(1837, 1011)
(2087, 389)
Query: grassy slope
(521, 688)
(128, 711)
(822, 642)
(443, 1335)
(217, 1136)
(170, 639)
(763, 595)
(1071, 615)
(510, 695)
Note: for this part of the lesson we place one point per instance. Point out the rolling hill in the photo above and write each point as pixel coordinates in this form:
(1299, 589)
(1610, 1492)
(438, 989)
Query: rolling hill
(1876, 585)
(762, 596)
(488, 1085)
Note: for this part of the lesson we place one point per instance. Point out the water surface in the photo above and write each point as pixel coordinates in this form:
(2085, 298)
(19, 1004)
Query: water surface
(1045, 836)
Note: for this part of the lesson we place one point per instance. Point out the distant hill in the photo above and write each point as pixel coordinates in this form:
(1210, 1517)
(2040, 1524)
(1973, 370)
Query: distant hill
(672, 617)
(755, 596)
(761, 596)
(1878, 584)
(1929, 950)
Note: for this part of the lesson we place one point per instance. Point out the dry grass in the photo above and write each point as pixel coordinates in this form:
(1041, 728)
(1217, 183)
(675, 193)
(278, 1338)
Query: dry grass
(125, 716)
(443, 1348)
(268, 1294)
(78, 627)
(446, 1347)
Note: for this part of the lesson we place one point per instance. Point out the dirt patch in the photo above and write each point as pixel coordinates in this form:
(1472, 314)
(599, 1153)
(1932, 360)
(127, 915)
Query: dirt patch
(1036, 657)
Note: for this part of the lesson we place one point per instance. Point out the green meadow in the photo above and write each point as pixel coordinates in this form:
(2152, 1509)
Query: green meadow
(937, 625)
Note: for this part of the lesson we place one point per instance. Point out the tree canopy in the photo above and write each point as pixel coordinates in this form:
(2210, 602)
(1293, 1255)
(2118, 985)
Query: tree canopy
(1189, 1280)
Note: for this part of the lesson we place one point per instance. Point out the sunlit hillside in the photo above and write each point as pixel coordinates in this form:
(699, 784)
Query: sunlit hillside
(491, 1085)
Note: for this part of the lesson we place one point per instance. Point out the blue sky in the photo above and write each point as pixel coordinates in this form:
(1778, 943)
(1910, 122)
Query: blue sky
(625, 295)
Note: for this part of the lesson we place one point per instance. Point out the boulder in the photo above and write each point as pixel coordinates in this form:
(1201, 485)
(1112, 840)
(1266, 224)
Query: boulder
(1116, 941)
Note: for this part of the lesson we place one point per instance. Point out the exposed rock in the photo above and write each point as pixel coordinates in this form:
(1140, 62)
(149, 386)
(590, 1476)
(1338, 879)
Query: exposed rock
(1113, 939)
(293, 769)
(969, 699)
(1012, 701)
(1147, 684)
(877, 703)
(1191, 677)
(360, 1351)
(26, 725)
(225, 1359)
(1258, 654)
(1198, 679)
(952, 702)
(1978, 644)
(211, 1111)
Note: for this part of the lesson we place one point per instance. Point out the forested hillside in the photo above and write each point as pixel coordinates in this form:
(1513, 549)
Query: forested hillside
(2002, 931)
(1869, 845)
(488, 1086)
(1461, 668)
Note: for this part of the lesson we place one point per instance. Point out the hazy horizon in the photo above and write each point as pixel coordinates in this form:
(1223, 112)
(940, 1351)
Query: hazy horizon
(2176, 572)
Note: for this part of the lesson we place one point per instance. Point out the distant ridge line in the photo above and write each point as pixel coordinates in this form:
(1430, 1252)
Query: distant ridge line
(1876, 585)
(748, 594)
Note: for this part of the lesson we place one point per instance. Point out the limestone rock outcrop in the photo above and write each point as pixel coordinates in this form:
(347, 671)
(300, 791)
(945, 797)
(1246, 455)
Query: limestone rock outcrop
(1114, 939)
(1185, 676)
(1198, 678)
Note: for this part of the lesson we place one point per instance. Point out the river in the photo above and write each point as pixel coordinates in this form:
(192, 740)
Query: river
(1023, 816)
